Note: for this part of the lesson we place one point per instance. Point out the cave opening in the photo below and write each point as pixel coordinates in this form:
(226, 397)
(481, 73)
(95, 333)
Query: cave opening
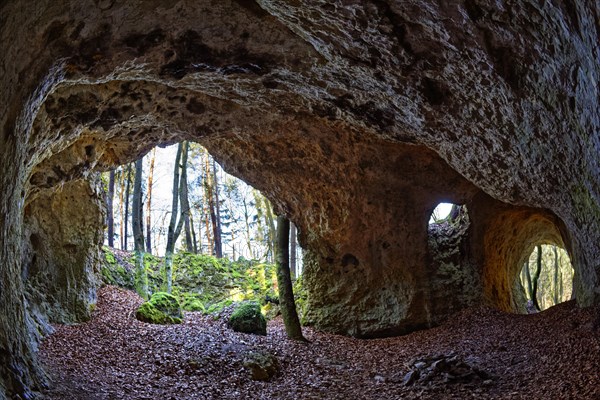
(546, 277)
(447, 213)
(245, 214)
(353, 131)
(204, 235)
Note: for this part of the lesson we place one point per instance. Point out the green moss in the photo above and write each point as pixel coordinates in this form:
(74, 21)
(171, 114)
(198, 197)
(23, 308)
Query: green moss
(191, 301)
(113, 273)
(109, 256)
(248, 318)
(200, 282)
(162, 308)
(300, 298)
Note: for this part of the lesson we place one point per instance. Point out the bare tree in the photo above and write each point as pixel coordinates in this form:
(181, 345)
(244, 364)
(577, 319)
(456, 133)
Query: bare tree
(141, 281)
(211, 186)
(536, 278)
(149, 203)
(110, 217)
(172, 233)
(126, 217)
(184, 198)
(293, 266)
(284, 282)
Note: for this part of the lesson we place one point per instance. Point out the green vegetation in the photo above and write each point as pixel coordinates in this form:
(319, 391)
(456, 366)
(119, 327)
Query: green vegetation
(300, 297)
(200, 282)
(113, 273)
(547, 277)
(162, 308)
(248, 318)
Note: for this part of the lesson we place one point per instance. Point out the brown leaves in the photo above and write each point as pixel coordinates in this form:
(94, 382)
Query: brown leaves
(552, 354)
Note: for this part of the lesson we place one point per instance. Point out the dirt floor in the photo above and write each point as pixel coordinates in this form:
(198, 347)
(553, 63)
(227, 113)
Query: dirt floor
(481, 353)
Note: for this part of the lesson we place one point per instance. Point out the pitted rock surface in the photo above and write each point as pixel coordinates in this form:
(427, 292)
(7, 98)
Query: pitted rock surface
(355, 119)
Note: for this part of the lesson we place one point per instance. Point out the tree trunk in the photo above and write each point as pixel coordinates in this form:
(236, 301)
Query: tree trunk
(247, 222)
(141, 279)
(556, 268)
(536, 277)
(184, 198)
(121, 206)
(529, 286)
(110, 217)
(126, 219)
(293, 267)
(561, 290)
(270, 222)
(194, 237)
(217, 226)
(262, 235)
(149, 204)
(210, 184)
(171, 238)
(284, 282)
(210, 242)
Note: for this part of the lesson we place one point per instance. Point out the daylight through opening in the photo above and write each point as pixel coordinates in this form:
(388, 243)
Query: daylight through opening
(202, 234)
(446, 212)
(546, 277)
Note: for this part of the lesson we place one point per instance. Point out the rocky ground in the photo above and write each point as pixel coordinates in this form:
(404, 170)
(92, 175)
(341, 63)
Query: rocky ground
(481, 353)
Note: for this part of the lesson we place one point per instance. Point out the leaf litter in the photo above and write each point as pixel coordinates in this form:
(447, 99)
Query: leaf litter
(479, 353)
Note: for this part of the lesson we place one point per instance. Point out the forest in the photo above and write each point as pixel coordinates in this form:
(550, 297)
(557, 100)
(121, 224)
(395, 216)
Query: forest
(213, 212)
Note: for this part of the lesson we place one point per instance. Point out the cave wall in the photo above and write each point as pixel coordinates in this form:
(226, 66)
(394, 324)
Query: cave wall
(64, 228)
(350, 117)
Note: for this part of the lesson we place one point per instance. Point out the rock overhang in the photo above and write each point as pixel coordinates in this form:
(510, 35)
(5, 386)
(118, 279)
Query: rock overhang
(501, 100)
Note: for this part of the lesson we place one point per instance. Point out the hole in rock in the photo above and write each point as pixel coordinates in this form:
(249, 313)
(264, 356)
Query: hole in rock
(546, 277)
(447, 212)
(219, 230)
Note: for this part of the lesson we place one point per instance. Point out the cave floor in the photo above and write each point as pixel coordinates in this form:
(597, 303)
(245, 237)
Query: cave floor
(551, 355)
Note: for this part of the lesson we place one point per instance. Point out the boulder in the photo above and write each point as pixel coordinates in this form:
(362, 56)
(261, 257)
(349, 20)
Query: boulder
(248, 318)
(261, 365)
(162, 308)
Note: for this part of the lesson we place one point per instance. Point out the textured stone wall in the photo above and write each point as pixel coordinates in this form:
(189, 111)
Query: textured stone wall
(63, 232)
(356, 119)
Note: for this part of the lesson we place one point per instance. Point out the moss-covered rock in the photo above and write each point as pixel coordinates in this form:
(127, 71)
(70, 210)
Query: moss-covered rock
(162, 308)
(201, 283)
(116, 271)
(300, 298)
(247, 318)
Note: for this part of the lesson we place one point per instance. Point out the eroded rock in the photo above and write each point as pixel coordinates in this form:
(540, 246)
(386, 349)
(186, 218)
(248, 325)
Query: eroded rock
(445, 369)
(354, 119)
(261, 365)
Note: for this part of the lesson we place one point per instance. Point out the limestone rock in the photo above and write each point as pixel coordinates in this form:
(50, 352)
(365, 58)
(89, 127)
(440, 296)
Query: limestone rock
(355, 119)
(162, 308)
(261, 365)
(445, 369)
(248, 318)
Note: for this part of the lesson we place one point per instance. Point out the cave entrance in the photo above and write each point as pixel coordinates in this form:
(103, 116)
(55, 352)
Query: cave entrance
(206, 234)
(546, 277)
(223, 215)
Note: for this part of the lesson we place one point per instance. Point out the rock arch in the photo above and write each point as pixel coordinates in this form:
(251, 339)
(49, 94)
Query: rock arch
(354, 119)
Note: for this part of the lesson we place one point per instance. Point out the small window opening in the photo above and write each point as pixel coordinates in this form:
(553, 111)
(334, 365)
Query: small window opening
(547, 278)
(447, 212)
